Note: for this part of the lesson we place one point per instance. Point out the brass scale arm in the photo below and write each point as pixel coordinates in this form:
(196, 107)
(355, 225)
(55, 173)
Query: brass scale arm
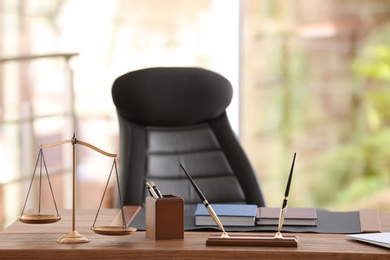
(75, 141)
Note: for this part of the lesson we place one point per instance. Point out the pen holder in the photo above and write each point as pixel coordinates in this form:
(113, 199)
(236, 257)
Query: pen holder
(164, 217)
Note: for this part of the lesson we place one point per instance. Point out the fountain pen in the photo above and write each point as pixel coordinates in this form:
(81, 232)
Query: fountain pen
(282, 214)
(207, 205)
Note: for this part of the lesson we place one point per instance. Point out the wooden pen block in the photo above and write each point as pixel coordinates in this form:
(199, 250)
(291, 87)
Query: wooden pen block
(165, 217)
(253, 240)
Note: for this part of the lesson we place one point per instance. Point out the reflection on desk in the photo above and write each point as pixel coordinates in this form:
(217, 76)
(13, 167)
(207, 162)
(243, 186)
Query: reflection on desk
(25, 241)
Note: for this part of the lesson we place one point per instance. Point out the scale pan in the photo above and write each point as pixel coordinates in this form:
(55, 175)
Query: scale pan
(39, 219)
(113, 230)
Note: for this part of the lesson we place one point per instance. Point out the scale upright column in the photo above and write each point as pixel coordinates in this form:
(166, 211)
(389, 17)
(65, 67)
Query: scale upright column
(73, 237)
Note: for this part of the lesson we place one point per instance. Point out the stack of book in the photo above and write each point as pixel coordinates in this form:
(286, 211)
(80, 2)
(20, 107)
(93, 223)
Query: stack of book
(229, 214)
(294, 216)
(251, 215)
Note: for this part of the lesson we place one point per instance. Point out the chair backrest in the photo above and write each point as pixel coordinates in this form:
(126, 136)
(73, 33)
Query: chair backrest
(170, 116)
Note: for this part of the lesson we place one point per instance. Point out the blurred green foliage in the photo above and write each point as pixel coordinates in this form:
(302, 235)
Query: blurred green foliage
(360, 166)
(374, 64)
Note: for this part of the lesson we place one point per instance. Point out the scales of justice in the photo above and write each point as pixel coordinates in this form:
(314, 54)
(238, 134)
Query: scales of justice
(73, 236)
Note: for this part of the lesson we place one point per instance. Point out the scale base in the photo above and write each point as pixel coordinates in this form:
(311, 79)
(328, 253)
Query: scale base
(73, 237)
(253, 240)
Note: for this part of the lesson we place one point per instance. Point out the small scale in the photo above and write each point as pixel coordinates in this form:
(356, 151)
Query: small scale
(73, 236)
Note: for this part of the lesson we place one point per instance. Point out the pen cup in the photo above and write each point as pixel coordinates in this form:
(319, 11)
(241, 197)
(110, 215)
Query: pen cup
(164, 217)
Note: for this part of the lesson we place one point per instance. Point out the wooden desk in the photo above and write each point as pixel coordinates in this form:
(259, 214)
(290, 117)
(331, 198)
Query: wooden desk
(27, 241)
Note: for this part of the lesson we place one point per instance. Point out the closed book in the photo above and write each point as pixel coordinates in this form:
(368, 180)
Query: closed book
(229, 214)
(294, 216)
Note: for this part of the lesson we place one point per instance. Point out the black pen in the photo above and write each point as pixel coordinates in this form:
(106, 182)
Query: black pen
(156, 190)
(285, 200)
(151, 191)
(207, 205)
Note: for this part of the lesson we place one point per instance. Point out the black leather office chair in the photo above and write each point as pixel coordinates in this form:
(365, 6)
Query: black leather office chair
(170, 116)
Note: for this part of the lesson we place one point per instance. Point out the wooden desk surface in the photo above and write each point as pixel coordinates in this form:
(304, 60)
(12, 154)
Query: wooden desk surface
(28, 241)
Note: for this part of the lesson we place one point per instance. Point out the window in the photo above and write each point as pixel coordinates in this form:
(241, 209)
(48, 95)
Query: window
(110, 39)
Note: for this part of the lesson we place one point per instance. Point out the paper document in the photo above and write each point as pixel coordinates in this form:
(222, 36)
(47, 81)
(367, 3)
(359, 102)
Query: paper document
(380, 239)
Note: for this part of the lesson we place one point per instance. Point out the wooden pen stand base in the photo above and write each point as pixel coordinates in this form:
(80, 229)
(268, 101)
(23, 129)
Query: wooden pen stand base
(253, 240)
